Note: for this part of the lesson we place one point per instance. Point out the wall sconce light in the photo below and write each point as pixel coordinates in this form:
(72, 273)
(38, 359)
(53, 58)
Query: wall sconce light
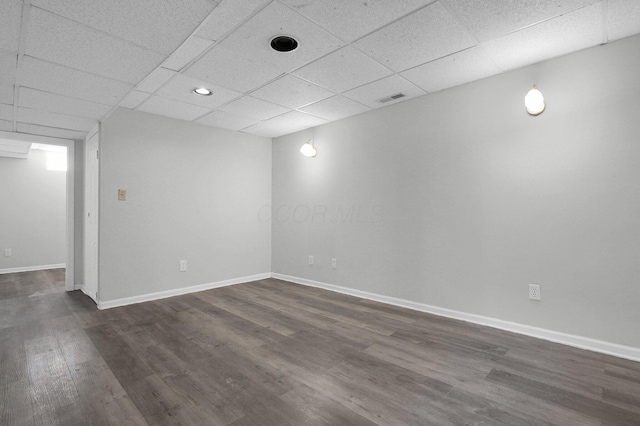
(308, 150)
(534, 101)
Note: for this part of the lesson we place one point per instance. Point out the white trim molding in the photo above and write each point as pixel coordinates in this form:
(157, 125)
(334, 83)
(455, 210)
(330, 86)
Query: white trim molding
(107, 304)
(32, 268)
(621, 351)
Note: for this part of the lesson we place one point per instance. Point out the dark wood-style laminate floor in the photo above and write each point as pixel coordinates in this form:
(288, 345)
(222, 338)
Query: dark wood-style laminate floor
(276, 353)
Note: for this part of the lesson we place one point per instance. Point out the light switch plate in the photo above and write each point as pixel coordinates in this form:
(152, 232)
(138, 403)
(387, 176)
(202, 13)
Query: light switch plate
(122, 194)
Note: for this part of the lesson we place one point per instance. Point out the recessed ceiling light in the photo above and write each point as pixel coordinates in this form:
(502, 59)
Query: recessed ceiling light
(202, 91)
(284, 43)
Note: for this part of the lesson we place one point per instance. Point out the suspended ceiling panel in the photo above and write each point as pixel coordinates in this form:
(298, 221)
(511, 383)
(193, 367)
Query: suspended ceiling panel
(225, 120)
(68, 43)
(228, 16)
(190, 50)
(73, 61)
(568, 33)
(424, 36)
(171, 108)
(370, 94)
(291, 92)
(335, 108)
(160, 25)
(623, 18)
(52, 119)
(8, 64)
(487, 20)
(10, 16)
(258, 109)
(49, 77)
(47, 101)
(6, 94)
(350, 20)
(343, 69)
(453, 70)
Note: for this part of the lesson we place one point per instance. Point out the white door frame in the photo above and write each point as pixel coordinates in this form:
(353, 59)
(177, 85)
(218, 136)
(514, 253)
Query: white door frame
(90, 285)
(70, 144)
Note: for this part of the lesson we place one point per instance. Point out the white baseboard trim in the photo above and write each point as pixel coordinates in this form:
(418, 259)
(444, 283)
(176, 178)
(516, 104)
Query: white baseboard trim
(32, 268)
(621, 351)
(178, 291)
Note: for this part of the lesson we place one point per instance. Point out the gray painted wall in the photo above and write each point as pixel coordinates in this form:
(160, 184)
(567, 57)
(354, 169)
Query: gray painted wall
(33, 212)
(193, 193)
(459, 199)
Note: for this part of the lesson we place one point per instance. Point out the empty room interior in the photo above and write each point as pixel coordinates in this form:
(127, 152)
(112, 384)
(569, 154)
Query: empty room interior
(308, 212)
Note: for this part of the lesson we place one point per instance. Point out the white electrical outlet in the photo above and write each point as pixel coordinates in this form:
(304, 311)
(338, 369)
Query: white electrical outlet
(7, 253)
(334, 263)
(310, 260)
(534, 291)
(183, 265)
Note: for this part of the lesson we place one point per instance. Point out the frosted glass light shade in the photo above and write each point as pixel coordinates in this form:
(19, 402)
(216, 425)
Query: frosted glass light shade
(534, 102)
(308, 150)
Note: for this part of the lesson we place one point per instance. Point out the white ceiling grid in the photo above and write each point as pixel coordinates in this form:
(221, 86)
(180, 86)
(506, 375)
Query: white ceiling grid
(66, 64)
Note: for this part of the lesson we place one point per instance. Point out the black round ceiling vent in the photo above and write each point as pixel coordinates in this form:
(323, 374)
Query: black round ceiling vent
(284, 43)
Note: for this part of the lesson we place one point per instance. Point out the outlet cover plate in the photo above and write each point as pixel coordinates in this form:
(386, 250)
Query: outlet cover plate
(534, 291)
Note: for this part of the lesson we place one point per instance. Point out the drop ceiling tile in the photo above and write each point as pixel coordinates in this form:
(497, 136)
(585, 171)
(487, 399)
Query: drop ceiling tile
(10, 19)
(37, 99)
(174, 109)
(267, 130)
(291, 122)
(245, 60)
(51, 119)
(54, 132)
(6, 95)
(488, 20)
(54, 78)
(428, 34)
(158, 25)
(369, 94)
(226, 16)
(6, 126)
(6, 112)
(295, 120)
(459, 68)
(623, 18)
(335, 108)
(258, 109)
(337, 16)
(133, 99)
(8, 63)
(68, 43)
(342, 70)
(181, 88)
(225, 120)
(229, 68)
(291, 92)
(568, 33)
(155, 80)
(190, 50)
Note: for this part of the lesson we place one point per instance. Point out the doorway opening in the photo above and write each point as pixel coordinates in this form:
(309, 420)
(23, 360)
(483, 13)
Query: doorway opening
(38, 220)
